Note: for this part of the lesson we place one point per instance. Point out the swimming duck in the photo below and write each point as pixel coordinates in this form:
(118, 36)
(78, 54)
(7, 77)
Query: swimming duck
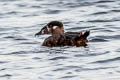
(59, 38)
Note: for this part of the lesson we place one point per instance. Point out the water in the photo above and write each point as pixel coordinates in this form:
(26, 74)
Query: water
(23, 58)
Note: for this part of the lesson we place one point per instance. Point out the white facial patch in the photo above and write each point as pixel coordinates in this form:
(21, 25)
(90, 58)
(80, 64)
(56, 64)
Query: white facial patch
(42, 32)
(54, 27)
(48, 28)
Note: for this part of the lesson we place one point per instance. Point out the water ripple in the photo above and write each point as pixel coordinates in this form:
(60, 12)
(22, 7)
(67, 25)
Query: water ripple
(17, 53)
(91, 69)
(100, 13)
(65, 77)
(53, 11)
(115, 10)
(98, 40)
(15, 38)
(108, 60)
(7, 0)
(91, 54)
(3, 69)
(58, 58)
(5, 75)
(104, 1)
(96, 21)
(2, 62)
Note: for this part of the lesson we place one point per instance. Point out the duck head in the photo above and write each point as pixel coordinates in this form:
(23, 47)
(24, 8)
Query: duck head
(52, 28)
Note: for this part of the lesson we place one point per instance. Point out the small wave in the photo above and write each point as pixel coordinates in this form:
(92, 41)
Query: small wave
(17, 53)
(7, 0)
(99, 13)
(92, 54)
(108, 60)
(20, 39)
(37, 58)
(29, 15)
(118, 50)
(105, 12)
(107, 30)
(103, 6)
(28, 68)
(58, 58)
(59, 69)
(80, 28)
(40, 50)
(36, 6)
(2, 62)
(11, 12)
(21, 5)
(14, 37)
(77, 4)
(71, 67)
(3, 69)
(95, 21)
(106, 38)
(104, 1)
(66, 68)
(91, 69)
(98, 40)
(71, 5)
(9, 37)
(8, 14)
(115, 37)
(53, 11)
(115, 10)
(68, 77)
(6, 75)
(28, 42)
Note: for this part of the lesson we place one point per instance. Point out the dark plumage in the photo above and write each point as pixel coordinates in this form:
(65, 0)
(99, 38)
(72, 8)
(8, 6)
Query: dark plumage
(63, 40)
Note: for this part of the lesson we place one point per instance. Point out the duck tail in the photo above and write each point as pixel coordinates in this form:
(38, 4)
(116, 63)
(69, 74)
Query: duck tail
(83, 36)
(86, 34)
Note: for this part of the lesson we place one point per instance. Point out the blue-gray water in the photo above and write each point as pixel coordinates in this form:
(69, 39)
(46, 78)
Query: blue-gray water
(23, 58)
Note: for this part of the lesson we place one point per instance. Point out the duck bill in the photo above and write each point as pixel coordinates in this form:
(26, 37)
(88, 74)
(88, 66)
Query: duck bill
(41, 32)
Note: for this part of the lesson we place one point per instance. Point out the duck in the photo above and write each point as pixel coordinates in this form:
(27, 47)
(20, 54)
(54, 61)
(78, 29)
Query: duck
(60, 38)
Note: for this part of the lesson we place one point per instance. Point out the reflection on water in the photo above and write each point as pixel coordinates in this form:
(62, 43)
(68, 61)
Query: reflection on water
(23, 57)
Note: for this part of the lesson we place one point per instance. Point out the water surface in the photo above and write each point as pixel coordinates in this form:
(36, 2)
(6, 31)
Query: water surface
(23, 58)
